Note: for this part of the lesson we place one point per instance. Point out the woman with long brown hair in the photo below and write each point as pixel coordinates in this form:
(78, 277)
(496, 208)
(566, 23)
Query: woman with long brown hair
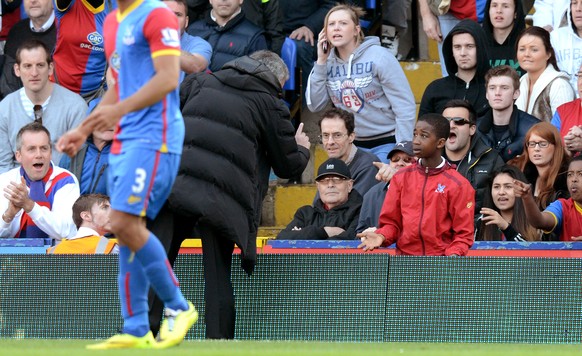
(544, 162)
(543, 88)
(503, 215)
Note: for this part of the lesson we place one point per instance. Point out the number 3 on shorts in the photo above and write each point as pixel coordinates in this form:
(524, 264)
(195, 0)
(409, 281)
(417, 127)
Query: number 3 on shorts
(140, 177)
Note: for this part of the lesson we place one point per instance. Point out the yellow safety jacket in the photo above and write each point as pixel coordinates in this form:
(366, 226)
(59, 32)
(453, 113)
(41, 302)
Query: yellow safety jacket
(87, 245)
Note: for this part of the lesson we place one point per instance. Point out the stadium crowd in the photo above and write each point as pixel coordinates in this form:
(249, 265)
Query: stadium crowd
(492, 154)
(501, 81)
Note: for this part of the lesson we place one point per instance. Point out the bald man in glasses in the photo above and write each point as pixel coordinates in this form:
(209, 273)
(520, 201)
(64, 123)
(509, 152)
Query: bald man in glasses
(473, 158)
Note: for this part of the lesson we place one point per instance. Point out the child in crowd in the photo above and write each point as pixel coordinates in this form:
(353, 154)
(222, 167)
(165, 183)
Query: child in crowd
(503, 215)
(429, 207)
(563, 216)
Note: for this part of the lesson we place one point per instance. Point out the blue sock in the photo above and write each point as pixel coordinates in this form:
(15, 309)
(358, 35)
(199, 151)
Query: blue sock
(133, 294)
(155, 263)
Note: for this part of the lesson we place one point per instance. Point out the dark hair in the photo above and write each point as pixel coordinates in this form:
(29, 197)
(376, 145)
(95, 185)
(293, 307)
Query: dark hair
(183, 2)
(440, 125)
(503, 71)
(31, 44)
(462, 103)
(344, 115)
(575, 159)
(519, 220)
(551, 134)
(32, 127)
(84, 203)
(544, 35)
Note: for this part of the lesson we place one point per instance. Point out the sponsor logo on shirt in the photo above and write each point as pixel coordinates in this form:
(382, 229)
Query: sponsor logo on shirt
(115, 61)
(170, 37)
(95, 41)
(128, 37)
(95, 38)
(440, 188)
(133, 199)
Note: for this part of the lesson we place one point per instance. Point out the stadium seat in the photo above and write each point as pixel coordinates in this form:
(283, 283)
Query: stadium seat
(292, 86)
(289, 56)
(372, 22)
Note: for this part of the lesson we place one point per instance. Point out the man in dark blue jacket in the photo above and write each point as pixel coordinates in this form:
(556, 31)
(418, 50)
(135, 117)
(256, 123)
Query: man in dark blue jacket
(504, 126)
(229, 33)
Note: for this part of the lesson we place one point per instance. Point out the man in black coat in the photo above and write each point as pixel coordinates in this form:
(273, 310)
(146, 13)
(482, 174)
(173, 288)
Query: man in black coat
(334, 215)
(237, 128)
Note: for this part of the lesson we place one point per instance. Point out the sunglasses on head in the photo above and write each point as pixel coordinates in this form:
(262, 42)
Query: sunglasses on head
(459, 121)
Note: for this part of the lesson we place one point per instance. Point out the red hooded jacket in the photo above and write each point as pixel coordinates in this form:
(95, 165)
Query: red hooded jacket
(428, 212)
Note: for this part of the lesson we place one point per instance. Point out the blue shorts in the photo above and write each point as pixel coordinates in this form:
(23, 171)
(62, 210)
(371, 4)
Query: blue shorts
(140, 180)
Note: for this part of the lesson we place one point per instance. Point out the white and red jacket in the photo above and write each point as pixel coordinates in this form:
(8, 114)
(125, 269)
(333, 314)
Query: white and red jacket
(428, 212)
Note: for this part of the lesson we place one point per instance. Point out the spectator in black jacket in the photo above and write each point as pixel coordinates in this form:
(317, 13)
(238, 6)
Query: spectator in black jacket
(466, 57)
(504, 126)
(334, 215)
(266, 15)
(229, 33)
(302, 22)
(237, 128)
(473, 158)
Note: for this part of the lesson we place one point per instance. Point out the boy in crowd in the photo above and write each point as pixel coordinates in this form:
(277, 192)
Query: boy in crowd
(443, 207)
(563, 216)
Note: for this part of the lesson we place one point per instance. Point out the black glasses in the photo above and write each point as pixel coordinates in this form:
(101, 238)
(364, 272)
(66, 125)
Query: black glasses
(38, 113)
(542, 144)
(459, 121)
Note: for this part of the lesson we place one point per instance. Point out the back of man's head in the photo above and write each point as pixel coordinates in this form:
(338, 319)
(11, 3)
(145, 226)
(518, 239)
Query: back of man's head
(83, 206)
(275, 64)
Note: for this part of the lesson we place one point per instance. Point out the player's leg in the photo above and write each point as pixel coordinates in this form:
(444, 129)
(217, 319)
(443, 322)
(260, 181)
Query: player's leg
(218, 291)
(180, 315)
(133, 286)
(140, 183)
(171, 228)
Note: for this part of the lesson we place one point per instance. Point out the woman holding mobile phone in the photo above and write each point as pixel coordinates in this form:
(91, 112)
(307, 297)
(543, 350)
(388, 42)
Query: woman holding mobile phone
(357, 74)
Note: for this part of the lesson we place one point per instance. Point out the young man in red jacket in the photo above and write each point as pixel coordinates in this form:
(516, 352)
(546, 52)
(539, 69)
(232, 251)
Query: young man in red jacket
(429, 207)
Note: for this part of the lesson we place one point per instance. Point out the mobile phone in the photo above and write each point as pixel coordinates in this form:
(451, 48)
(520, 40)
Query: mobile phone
(324, 46)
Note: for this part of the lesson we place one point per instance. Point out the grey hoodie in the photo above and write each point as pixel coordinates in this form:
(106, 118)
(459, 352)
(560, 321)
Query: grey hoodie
(568, 47)
(372, 85)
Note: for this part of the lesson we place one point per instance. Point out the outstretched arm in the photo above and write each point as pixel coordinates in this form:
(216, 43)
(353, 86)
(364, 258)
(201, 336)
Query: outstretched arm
(536, 218)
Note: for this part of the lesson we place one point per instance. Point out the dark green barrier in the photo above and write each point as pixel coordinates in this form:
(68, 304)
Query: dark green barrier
(340, 297)
(489, 299)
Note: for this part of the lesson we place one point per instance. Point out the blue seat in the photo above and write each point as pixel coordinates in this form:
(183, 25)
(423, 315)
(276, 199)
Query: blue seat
(289, 56)
(373, 17)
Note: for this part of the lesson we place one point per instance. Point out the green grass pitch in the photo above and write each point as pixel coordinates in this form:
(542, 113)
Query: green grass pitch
(26, 347)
